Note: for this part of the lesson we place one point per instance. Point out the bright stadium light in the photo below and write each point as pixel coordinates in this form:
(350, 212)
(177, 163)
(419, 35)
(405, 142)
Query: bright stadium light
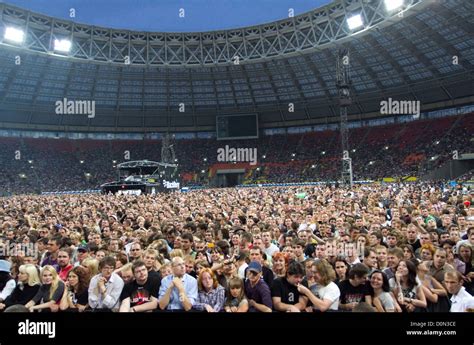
(14, 35)
(355, 22)
(392, 5)
(62, 45)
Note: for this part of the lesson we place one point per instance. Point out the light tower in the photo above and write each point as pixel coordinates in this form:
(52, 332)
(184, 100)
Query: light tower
(343, 86)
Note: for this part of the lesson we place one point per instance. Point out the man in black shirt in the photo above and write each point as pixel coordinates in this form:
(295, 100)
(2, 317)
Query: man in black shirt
(354, 290)
(285, 295)
(140, 294)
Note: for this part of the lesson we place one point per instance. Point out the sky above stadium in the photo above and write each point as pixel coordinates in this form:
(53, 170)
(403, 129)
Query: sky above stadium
(165, 15)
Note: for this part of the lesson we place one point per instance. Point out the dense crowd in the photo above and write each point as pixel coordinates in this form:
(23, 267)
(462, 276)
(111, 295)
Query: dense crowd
(397, 150)
(379, 248)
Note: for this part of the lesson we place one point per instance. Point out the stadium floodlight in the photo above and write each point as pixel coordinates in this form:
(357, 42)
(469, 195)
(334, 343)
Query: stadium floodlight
(62, 45)
(355, 22)
(392, 5)
(14, 34)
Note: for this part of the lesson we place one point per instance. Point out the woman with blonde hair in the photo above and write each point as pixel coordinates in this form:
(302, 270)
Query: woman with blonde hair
(28, 285)
(92, 265)
(125, 272)
(50, 293)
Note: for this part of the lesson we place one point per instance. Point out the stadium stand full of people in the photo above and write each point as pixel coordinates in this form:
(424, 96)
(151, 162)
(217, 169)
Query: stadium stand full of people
(382, 248)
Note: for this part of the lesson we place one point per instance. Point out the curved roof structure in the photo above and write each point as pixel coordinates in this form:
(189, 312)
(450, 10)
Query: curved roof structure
(143, 81)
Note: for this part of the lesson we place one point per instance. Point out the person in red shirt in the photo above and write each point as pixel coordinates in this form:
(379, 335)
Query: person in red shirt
(64, 263)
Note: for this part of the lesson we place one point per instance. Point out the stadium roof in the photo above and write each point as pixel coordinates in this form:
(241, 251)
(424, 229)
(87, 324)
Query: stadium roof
(424, 53)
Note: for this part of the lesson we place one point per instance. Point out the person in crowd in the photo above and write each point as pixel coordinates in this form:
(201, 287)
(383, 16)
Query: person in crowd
(139, 294)
(76, 295)
(105, 288)
(280, 263)
(178, 291)
(284, 290)
(382, 299)
(354, 289)
(64, 263)
(341, 268)
(211, 295)
(409, 291)
(236, 301)
(434, 291)
(49, 294)
(257, 290)
(324, 294)
(461, 300)
(7, 282)
(28, 285)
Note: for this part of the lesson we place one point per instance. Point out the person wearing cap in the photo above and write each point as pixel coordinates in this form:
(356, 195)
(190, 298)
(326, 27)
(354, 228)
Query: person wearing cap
(461, 300)
(7, 283)
(256, 290)
(256, 254)
(82, 254)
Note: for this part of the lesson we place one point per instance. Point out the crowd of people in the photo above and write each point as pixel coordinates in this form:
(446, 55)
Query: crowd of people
(373, 248)
(395, 150)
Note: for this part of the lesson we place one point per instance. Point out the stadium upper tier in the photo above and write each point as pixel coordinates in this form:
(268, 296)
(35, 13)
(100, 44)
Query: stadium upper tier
(425, 53)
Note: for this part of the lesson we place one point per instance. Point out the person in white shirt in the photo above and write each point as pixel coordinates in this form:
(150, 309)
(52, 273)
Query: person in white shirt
(7, 283)
(461, 300)
(324, 295)
(105, 288)
(269, 247)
